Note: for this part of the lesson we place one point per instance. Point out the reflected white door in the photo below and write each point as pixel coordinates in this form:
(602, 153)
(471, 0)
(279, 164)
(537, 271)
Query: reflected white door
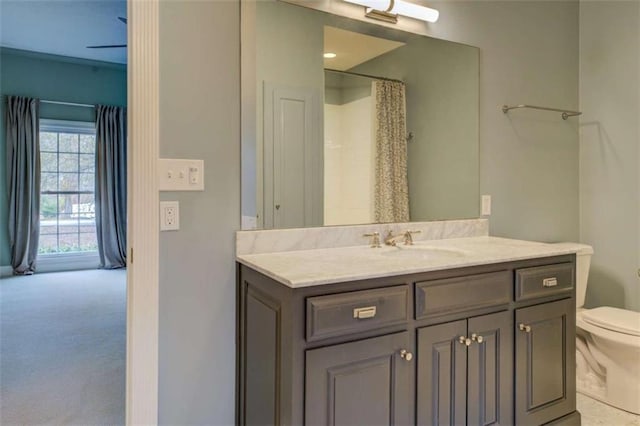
(292, 146)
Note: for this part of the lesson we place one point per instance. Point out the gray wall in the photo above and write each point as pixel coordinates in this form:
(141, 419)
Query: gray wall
(442, 101)
(442, 113)
(199, 111)
(528, 159)
(340, 89)
(609, 149)
(286, 55)
(529, 163)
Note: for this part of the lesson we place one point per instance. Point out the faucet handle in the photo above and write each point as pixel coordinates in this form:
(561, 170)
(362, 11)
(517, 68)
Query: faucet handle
(375, 239)
(408, 237)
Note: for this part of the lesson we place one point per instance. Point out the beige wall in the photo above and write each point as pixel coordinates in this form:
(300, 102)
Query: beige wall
(529, 163)
(609, 149)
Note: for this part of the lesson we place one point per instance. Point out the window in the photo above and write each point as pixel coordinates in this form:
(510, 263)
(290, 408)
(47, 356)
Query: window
(67, 188)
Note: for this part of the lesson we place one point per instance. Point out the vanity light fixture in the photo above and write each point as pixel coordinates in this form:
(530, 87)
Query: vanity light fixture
(329, 55)
(388, 10)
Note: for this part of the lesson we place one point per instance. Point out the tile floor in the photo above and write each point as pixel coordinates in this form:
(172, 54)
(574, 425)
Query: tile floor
(595, 413)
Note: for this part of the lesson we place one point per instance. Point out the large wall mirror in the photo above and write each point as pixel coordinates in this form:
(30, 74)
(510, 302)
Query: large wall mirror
(352, 122)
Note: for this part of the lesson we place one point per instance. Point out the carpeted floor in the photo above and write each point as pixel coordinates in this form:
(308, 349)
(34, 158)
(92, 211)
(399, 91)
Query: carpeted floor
(62, 348)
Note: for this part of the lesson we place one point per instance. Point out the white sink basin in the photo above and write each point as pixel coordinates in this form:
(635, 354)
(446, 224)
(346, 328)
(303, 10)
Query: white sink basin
(423, 252)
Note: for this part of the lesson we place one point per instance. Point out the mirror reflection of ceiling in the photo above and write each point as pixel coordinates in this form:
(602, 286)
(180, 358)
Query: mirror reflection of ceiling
(353, 48)
(65, 27)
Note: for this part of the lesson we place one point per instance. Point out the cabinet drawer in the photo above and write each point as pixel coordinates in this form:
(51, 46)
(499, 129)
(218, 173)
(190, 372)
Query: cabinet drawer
(353, 312)
(544, 281)
(451, 295)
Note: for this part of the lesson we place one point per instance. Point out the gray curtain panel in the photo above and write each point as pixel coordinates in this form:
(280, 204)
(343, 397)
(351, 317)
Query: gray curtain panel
(23, 182)
(111, 185)
(391, 202)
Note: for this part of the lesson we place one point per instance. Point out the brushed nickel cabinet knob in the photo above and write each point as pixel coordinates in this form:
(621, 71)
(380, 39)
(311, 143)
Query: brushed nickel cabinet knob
(477, 338)
(406, 355)
(525, 328)
(464, 340)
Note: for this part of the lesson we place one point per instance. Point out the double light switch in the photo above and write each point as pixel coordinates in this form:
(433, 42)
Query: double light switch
(180, 175)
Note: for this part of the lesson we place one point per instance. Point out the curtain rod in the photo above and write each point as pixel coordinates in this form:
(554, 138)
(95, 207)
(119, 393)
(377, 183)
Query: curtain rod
(364, 75)
(67, 103)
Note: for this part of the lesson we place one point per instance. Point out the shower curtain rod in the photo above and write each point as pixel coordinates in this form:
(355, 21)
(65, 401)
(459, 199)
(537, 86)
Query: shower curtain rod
(364, 75)
(67, 103)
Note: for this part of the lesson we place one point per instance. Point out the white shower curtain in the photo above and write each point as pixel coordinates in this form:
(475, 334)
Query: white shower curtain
(390, 132)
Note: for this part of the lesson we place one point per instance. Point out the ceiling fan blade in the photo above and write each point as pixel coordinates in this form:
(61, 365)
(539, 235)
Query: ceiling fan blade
(107, 46)
(111, 46)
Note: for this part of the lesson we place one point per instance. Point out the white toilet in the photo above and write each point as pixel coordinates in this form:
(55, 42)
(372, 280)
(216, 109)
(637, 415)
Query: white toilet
(607, 346)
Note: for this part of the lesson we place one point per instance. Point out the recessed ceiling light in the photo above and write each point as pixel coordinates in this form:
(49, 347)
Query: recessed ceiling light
(329, 55)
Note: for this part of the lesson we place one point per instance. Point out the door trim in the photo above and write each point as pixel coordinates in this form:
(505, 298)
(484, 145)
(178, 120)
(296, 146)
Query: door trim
(142, 216)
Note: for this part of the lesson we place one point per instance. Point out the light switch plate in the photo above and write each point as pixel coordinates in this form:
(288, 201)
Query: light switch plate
(180, 175)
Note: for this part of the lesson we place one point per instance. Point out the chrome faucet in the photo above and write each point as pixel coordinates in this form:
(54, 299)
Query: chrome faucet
(392, 240)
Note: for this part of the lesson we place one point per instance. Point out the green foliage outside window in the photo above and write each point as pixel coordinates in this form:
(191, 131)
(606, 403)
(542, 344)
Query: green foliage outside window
(67, 185)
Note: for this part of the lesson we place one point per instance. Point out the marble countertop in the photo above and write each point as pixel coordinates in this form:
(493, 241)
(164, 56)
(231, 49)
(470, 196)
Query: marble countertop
(304, 268)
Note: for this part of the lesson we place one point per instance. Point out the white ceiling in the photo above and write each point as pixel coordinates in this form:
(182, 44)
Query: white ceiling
(65, 27)
(353, 48)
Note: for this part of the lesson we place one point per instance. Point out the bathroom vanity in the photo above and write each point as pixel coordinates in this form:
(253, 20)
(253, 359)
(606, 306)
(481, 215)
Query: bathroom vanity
(463, 331)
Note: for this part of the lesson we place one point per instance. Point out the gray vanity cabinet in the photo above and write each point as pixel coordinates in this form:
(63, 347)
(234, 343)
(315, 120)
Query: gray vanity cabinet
(545, 362)
(442, 375)
(483, 345)
(465, 372)
(490, 370)
(366, 382)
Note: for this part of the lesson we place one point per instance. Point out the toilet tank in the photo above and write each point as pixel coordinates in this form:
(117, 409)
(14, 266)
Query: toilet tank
(583, 262)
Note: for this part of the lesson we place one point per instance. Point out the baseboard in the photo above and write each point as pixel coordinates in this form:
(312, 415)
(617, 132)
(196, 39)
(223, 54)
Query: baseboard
(573, 419)
(67, 262)
(6, 271)
(60, 263)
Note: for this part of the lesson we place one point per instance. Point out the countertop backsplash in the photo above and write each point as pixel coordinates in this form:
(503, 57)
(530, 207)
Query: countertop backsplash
(281, 240)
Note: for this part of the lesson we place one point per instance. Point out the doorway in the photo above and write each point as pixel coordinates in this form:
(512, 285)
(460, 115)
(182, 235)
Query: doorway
(70, 57)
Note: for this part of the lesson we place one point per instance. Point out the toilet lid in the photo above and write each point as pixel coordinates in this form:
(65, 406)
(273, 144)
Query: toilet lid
(620, 320)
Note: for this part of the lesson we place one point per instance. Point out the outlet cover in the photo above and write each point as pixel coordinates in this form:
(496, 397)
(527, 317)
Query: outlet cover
(169, 215)
(485, 208)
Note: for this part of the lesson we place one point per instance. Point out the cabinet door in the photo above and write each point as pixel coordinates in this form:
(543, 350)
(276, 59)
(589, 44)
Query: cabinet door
(490, 370)
(442, 374)
(545, 362)
(366, 382)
